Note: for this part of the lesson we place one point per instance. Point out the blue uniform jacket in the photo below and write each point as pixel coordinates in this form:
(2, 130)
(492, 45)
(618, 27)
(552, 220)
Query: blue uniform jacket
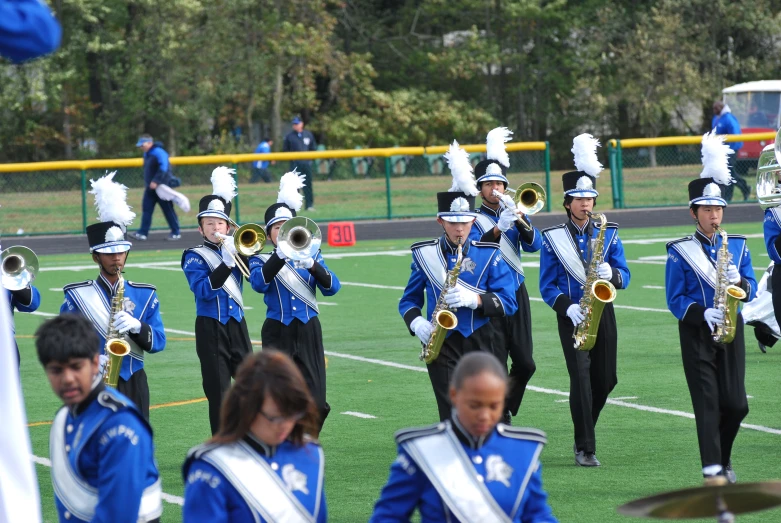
(263, 147)
(727, 124)
(27, 30)
(157, 168)
(210, 497)
(483, 270)
(772, 228)
(24, 300)
(211, 300)
(281, 304)
(140, 302)
(513, 452)
(558, 287)
(110, 447)
(688, 293)
(523, 240)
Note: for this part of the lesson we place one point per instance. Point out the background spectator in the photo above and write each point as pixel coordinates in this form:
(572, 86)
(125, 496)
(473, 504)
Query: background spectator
(157, 171)
(260, 168)
(724, 122)
(300, 140)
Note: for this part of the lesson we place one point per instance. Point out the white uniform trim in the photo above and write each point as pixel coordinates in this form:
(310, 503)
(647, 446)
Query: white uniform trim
(691, 251)
(566, 251)
(294, 283)
(509, 251)
(432, 261)
(213, 260)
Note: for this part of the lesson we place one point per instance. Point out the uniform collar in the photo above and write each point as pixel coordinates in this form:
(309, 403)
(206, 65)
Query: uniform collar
(106, 286)
(703, 239)
(465, 437)
(578, 229)
(449, 248)
(210, 244)
(260, 447)
(79, 409)
(484, 209)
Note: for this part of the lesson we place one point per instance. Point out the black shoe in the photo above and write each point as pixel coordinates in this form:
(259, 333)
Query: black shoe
(173, 237)
(137, 236)
(507, 418)
(586, 459)
(730, 474)
(762, 347)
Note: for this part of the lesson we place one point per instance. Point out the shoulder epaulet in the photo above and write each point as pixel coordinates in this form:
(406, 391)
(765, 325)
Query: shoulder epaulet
(737, 236)
(492, 245)
(76, 285)
(611, 225)
(199, 450)
(417, 432)
(670, 244)
(191, 249)
(418, 245)
(112, 402)
(141, 285)
(559, 226)
(525, 433)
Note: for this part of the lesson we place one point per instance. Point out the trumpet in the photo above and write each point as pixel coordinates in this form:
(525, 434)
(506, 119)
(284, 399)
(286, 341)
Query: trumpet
(18, 267)
(527, 199)
(299, 238)
(249, 239)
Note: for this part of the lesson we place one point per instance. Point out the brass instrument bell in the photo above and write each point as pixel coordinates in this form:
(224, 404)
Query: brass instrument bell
(19, 267)
(299, 238)
(768, 168)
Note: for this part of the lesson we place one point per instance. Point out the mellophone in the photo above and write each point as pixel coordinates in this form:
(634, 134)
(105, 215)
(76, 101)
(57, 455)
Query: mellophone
(18, 267)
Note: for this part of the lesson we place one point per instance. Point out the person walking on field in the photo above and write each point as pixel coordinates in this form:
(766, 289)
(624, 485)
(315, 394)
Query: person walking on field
(299, 140)
(157, 171)
(724, 122)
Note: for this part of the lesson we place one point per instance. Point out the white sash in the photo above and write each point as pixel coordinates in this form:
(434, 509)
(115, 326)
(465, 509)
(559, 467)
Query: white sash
(231, 286)
(567, 252)
(432, 261)
(92, 303)
(444, 462)
(262, 488)
(289, 277)
(691, 251)
(78, 497)
(509, 251)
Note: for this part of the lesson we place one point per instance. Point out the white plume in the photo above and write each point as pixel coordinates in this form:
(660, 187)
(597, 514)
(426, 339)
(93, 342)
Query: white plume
(461, 169)
(111, 200)
(494, 145)
(715, 158)
(289, 185)
(584, 147)
(223, 184)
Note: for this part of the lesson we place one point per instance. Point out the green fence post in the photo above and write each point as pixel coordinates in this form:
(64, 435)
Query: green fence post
(613, 162)
(547, 176)
(83, 200)
(236, 199)
(620, 171)
(388, 187)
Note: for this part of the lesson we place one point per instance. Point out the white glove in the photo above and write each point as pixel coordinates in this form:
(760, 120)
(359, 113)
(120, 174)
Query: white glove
(457, 297)
(280, 254)
(228, 251)
(102, 362)
(506, 220)
(304, 264)
(422, 329)
(733, 275)
(124, 322)
(713, 316)
(507, 201)
(605, 271)
(575, 313)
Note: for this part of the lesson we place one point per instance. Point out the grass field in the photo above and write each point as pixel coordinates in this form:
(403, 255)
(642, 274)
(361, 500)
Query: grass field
(645, 441)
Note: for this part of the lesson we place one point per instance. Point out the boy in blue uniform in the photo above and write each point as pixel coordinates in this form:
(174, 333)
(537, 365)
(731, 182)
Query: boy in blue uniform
(715, 372)
(497, 222)
(290, 293)
(772, 233)
(469, 468)
(221, 337)
(485, 287)
(102, 456)
(139, 321)
(565, 257)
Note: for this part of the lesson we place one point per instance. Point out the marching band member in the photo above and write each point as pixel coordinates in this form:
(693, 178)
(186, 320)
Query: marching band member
(496, 222)
(263, 465)
(27, 299)
(470, 467)
(102, 456)
(772, 233)
(567, 252)
(485, 287)
(139, 320)
(290, 293)
(714, 371)
(221, 337)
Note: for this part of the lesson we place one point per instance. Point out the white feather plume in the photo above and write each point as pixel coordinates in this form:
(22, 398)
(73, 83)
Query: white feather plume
(289, 185)
(461, 169)
(111, 200)
(223, 184)
(715, 158)
(584, 147)
(494, 145)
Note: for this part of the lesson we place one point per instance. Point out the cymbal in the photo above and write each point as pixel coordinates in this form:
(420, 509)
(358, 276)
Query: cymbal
(706, 501)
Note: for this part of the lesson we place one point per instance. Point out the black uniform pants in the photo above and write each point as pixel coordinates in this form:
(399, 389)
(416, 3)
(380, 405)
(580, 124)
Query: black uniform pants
(715, 374)
(440, 371)
(303, 342)
(592, 375)
(221, 348)
(137, 389)
(518, 341)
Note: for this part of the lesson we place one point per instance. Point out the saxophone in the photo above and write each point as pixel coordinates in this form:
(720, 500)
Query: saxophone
(596, 292)
(727, 296)
(116, 346)
(442, 319)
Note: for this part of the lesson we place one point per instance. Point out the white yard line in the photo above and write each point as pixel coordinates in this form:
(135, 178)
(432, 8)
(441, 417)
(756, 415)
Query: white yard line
(653, 287)
(359, 415)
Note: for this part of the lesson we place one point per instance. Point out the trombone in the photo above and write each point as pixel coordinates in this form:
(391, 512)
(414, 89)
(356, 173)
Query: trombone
(529, 199)
(18, 267)
(249, 239)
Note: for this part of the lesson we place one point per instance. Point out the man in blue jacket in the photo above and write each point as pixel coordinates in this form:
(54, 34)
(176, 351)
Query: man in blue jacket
(724, 122)
(301, 140)
(157, 170)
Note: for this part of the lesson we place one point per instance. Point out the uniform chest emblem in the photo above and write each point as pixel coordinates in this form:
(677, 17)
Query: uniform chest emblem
(498, 470)
(294, 479)
(128, 306)
(468, 265)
